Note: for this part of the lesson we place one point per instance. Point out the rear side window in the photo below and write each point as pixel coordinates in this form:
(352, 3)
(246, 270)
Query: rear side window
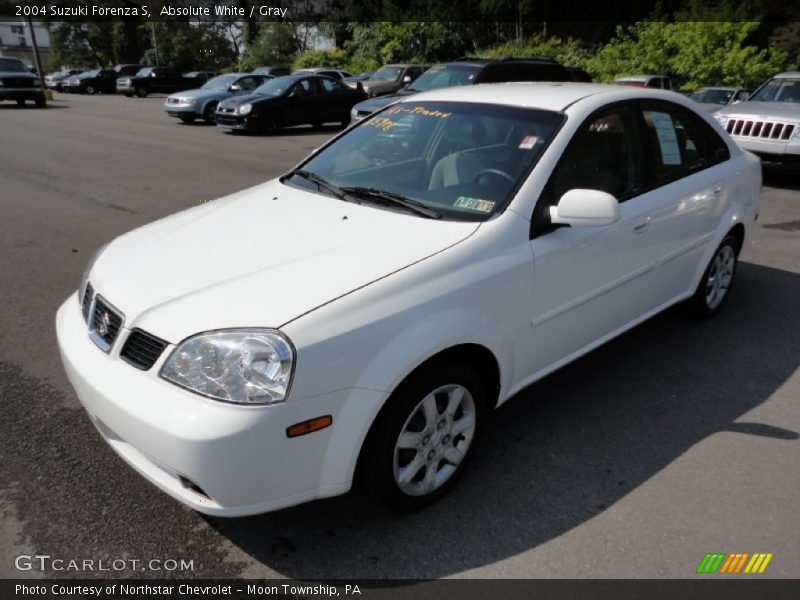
(679, 143)
(543, 72)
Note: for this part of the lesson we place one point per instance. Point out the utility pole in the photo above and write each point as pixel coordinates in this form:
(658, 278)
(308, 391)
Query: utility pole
(36, 56)
(155, 42)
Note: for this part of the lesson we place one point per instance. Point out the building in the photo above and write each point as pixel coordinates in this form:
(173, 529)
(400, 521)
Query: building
(16, 42)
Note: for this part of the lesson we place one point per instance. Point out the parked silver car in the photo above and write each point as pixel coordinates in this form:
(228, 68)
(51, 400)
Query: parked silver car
(202, 102)
(713, 97)
(768, 124)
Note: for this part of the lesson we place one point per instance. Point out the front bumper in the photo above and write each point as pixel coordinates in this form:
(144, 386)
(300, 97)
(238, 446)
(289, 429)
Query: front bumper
(770, 150)
(182, 110)
(232, 121)
(217, 458)
(21, 94)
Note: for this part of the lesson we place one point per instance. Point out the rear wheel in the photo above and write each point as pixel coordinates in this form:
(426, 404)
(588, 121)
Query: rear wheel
(41, 102)
(424, 437)
(208, 113)
(717, 280)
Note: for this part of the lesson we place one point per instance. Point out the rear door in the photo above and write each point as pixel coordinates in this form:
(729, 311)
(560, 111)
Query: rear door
(304, 102)
(685, 162)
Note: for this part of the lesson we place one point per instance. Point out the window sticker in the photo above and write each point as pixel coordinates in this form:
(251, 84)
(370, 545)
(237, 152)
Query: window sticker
(667, 139)
(528, 142)
(476, 204)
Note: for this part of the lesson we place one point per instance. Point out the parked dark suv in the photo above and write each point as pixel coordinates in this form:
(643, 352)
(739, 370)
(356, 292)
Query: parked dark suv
(470, 71)
(19, 84)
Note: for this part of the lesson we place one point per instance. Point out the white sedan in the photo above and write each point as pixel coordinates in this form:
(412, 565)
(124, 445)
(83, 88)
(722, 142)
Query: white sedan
(357, 318)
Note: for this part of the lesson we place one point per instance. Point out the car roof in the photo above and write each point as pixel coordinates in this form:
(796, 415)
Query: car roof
(726, 88)
(788, 74)
(637, 77)
(556, 96)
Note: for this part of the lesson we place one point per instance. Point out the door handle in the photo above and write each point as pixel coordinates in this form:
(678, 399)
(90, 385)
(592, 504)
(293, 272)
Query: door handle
(717, 190)
(641, 226)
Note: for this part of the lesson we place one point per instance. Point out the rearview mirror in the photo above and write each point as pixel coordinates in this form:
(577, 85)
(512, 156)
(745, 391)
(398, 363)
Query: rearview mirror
(585, 208)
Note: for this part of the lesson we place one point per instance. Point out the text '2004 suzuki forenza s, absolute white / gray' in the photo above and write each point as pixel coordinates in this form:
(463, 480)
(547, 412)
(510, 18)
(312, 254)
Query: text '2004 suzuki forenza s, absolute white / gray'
(357, 318)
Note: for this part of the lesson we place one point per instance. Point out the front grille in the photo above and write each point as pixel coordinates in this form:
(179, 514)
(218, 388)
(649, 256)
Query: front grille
(142, 350)
(86, 302)
(105, 323)
(759, 129)
(19, 82)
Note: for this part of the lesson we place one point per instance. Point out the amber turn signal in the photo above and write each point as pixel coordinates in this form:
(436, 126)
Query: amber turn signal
(309, 426)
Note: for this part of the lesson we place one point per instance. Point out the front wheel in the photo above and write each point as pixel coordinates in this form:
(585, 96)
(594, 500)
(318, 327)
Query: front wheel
(424, 437)
(186, 119)
(208, 113)
(141, 92)
(90, 90)
(716, 281)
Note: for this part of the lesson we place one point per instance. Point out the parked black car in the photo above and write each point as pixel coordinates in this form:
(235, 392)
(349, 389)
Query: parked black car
(469, 71)
(19, 84)
(288, 101)
(158, 79)
(91, 82)
(129, 70)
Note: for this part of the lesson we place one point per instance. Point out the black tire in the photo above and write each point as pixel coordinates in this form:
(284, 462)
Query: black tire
(41, 102)
(272, 123)
(317, 125)
(208, 112)
(377, 463)
(705, 304)
(129, 94)
(90, 89)
(141, 92)
(20, 102)
(186, 119)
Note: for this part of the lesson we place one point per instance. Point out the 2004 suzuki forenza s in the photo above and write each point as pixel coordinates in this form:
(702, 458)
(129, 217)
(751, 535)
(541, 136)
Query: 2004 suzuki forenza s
(358, 317)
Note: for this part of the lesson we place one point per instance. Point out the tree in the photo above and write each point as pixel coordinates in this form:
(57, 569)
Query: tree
(276, 44)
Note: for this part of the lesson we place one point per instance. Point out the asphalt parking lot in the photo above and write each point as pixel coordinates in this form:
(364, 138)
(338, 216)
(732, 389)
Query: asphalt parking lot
(677, 439)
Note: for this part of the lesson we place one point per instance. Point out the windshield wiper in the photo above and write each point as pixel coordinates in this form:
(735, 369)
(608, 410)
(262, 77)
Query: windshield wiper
(321, 183)
(395, 199)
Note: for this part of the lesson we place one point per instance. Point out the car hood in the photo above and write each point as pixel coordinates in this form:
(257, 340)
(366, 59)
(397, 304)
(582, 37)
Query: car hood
(201, 94)
(237, 100)
(20, 74)
(262, 257)
(764, 110)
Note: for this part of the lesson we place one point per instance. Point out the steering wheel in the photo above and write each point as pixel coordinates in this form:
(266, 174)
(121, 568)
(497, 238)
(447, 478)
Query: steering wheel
(496, 172)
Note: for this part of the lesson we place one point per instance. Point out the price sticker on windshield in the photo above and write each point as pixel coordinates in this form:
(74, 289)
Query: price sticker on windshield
(528, 142)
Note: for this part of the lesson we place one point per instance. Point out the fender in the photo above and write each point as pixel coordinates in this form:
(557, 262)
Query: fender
(408, 351)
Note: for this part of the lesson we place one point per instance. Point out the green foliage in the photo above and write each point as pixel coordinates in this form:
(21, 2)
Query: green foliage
(568, 52)
(382, 42)
(692, 49)
(276, 44)
(322, 58)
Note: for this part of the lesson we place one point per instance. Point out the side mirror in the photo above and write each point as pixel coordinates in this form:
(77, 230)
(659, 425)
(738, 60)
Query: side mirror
(407, 79)
(153, 75)
(235, 88)
(585, 208)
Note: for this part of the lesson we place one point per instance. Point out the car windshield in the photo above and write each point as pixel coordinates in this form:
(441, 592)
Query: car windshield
(387, 73)
(779, 90)
(89, 74)
(275, 87)
(462, 160)
(220, 84)
(441, 76)
(712, 96)
(144, 72)
(12, 65)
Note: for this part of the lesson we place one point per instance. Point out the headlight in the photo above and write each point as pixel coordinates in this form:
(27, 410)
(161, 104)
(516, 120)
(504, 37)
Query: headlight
(252, 366)
(190, 100)
(721, 119)
(796, 135)
(244, 109)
